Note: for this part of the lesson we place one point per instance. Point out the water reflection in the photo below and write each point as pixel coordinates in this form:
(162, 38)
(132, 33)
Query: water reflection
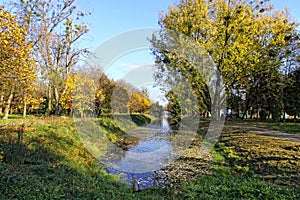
(153, 151)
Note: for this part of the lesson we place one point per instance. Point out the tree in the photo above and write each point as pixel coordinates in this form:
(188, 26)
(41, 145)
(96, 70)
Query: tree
(105, 87)
(86, 92)
(292, 99)
(120, 99)
(173, 105)
(239, 35)
(16, 66)
(156, 110)
(67, 98)
(291, 63)
(54, 29)
(138, 103)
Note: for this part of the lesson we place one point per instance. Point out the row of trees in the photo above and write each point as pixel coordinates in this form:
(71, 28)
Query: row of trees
(94, 94)
(39, 57)
(254, 47)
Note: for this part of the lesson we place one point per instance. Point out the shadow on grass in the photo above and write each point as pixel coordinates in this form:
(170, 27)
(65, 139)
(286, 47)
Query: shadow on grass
(140, 119)
(32, 169)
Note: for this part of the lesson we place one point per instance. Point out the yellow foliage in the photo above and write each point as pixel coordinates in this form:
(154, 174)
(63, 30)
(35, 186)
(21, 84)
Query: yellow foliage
(16, 65)
(138, 103)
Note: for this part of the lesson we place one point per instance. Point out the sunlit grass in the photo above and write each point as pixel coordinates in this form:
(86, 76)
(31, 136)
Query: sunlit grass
(51, 162)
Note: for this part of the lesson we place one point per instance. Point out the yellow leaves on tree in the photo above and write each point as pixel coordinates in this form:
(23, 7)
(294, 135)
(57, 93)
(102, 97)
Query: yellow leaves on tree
(138, 103)
(84, 92)
(16, 66)
(66, 99)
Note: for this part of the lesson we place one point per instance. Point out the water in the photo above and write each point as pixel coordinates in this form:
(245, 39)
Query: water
(139, 165)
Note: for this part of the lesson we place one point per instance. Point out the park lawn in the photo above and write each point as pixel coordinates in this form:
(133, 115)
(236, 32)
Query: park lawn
(51, 162)
(287, 127)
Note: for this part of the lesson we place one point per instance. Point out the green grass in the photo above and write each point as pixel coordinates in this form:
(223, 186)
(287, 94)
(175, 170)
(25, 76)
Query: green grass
(287, 127)
(51, 162)
(224, 185)
(293, 128)
(18, 118)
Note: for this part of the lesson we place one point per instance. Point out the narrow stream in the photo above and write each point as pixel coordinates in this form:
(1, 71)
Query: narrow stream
(138, 165)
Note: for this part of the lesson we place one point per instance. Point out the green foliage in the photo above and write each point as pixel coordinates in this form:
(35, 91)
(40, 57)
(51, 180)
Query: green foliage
(245, 39)
(105, 86)
(156, 110)
(292, 99)
(173, 104)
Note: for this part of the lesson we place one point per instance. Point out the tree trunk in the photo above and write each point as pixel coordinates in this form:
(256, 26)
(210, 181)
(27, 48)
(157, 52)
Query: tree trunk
(283, 116)
(24, 105)
(216, 107)
(57, 102)
(49, 101)
(1, 104)
(247, 107)
(7, 106)
(238, 104)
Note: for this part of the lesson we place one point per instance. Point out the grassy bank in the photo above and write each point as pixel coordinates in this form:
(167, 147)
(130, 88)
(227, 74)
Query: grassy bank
(51, 162)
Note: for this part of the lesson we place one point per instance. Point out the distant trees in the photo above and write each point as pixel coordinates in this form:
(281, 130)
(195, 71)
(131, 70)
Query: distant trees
(247, 40)
(94, 94)
(138, 103)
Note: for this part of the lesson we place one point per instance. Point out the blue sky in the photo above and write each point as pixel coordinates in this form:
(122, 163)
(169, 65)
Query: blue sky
(112, 17)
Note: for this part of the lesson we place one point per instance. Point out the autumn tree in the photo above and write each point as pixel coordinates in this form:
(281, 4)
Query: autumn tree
(138, 103)
(86, 92)
(243, 38)
(105, 86)
(16, 66)
(54, 28)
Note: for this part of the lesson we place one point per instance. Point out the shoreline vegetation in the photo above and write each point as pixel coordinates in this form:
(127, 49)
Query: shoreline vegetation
(49, 161)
